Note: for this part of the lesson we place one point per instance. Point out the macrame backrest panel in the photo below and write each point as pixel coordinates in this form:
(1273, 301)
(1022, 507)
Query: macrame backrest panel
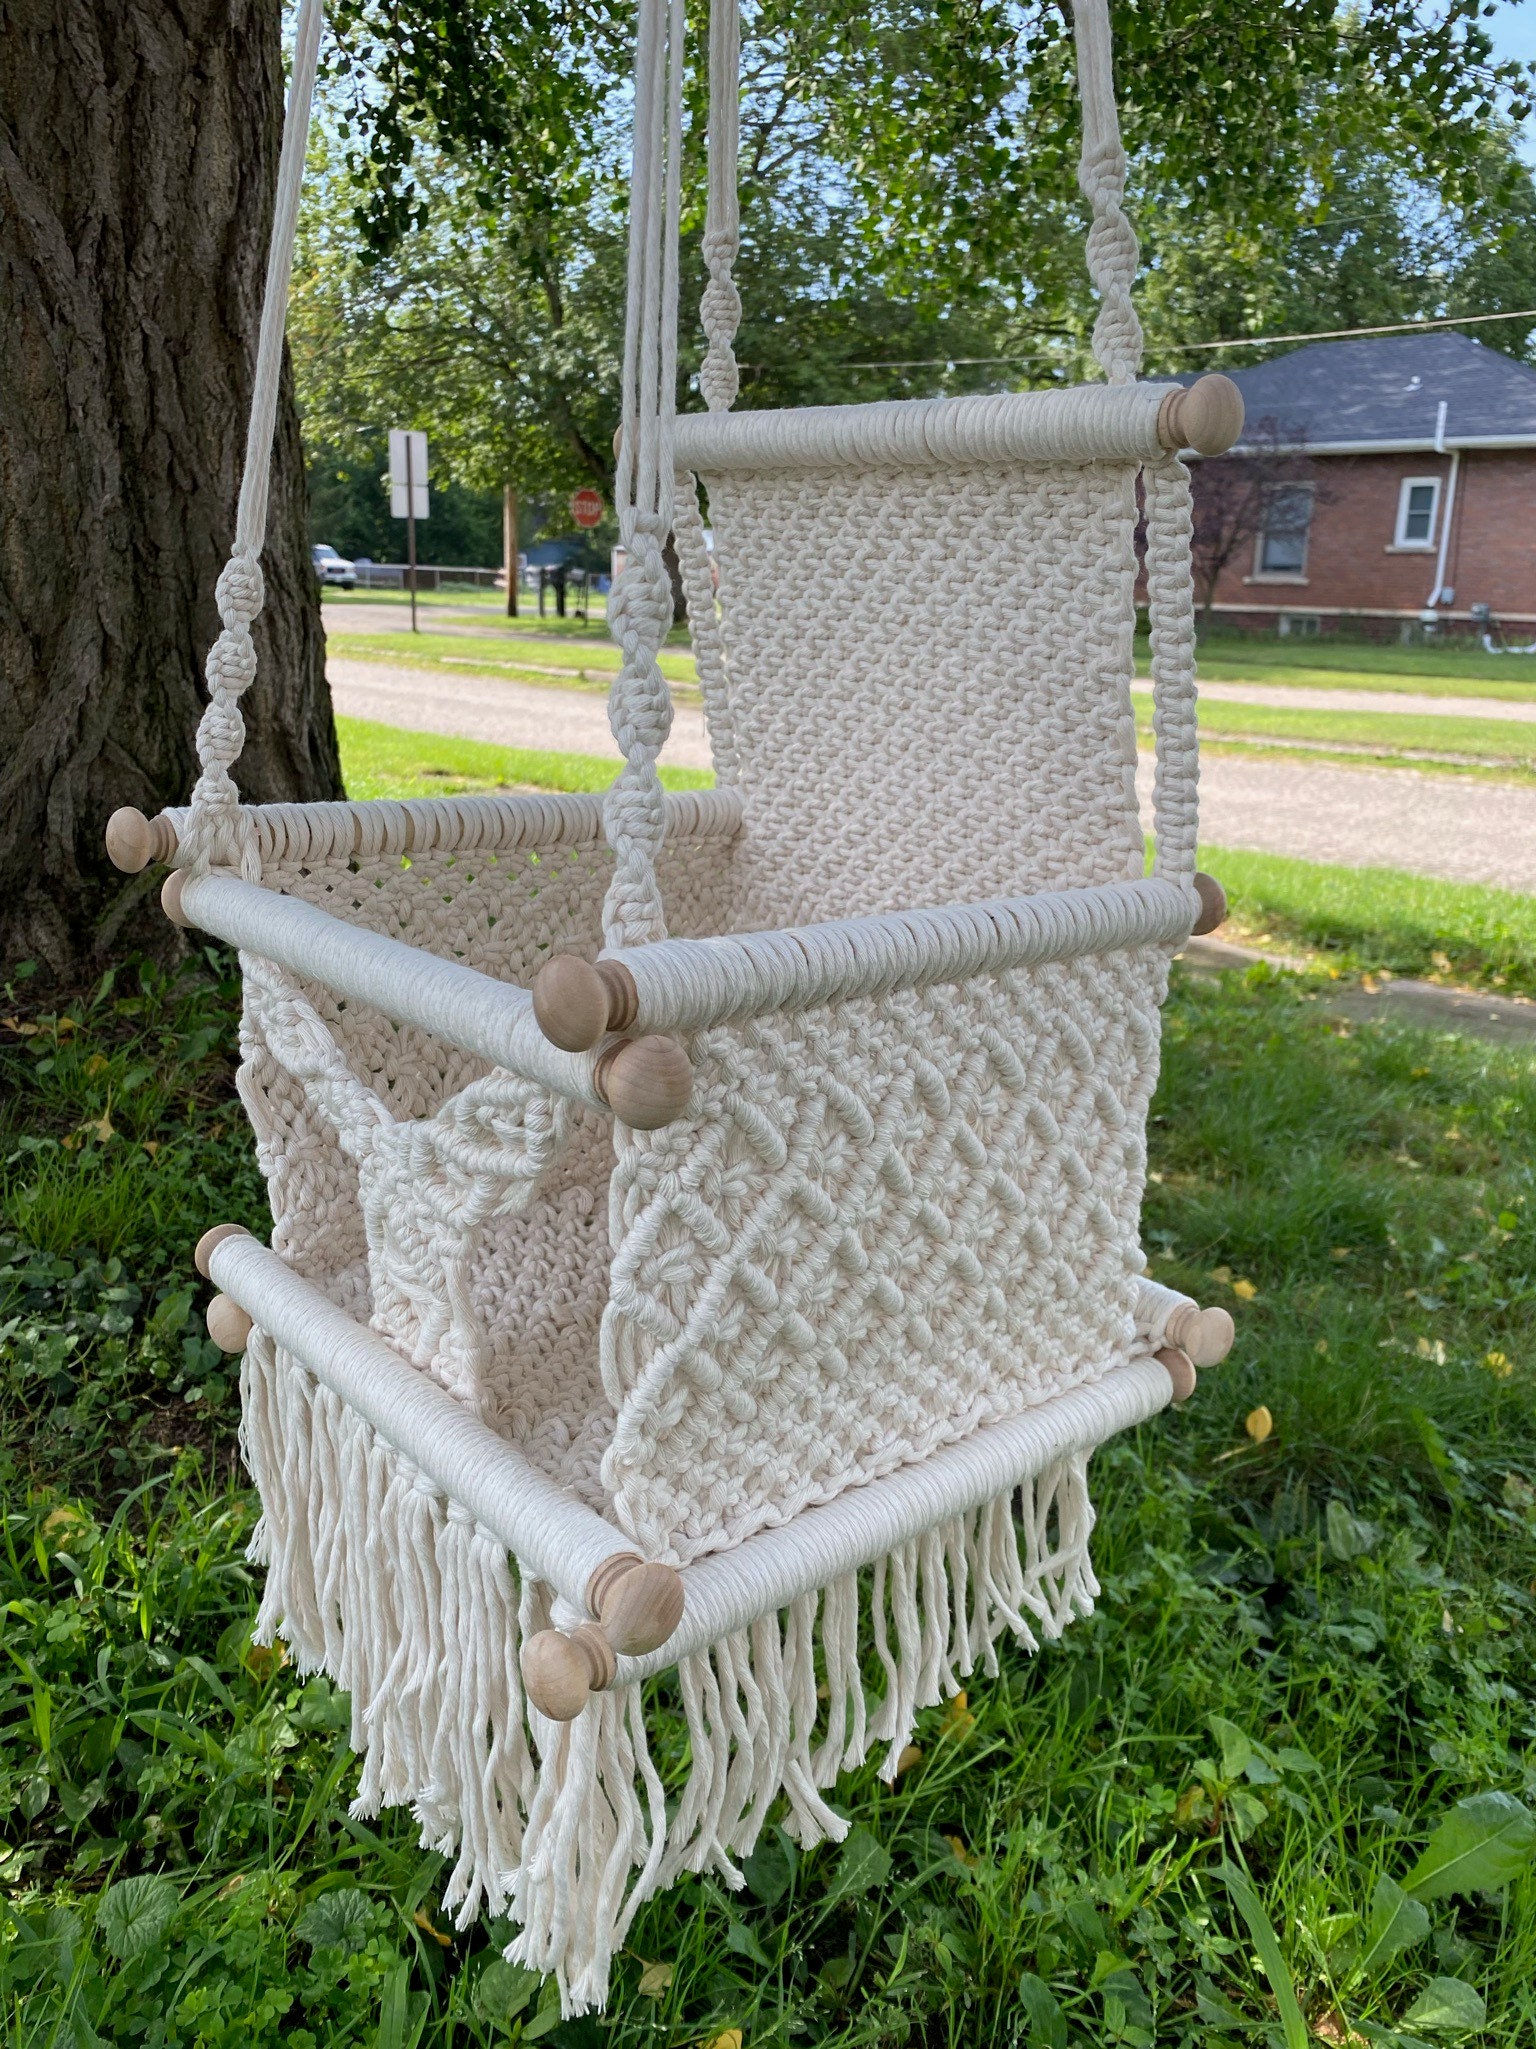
(929, 683)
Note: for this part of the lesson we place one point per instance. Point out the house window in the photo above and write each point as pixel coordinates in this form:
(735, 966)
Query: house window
(1417, 503)
(1283, 540)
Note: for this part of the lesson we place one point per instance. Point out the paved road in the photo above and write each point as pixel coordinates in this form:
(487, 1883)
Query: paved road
(1465, 828)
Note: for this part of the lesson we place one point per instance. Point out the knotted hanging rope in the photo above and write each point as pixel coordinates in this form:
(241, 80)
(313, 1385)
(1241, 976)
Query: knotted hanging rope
(1112, 249)
(720, 308)
(218, 829)
(640, 610)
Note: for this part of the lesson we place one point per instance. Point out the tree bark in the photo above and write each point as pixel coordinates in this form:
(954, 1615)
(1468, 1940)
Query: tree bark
(138, 163)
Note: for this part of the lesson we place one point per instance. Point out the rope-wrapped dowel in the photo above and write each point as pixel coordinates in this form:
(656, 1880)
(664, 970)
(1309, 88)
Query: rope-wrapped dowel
(637, 1605)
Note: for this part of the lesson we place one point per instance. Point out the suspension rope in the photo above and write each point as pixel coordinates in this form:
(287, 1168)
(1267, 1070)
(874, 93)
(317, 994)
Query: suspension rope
(1112, 249)
(218, 829)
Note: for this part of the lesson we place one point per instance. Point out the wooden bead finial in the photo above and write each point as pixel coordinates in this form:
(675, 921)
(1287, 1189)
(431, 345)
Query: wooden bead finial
(1213, 904)
(133, 840)
(1180, 1369)
(645, 1082)
(228, 1324)
(1206, 416)
(170, 898)
(1205, 1334)
(576, 1002)
(203, 1250)
(638, 1607)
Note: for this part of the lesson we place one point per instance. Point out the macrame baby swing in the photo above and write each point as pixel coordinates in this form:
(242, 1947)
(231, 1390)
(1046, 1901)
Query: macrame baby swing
(763, 1288)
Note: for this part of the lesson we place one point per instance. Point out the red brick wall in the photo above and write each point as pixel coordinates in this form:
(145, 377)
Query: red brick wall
(1353, 567)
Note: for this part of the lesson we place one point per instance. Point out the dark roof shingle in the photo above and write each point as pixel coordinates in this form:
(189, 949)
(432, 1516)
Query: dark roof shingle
(1389, 388)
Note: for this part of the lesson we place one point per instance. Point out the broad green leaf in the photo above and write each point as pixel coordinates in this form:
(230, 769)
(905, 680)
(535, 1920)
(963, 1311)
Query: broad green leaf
(337, 1920)
(1483, 1843)
(739, 1937)
(1047, 2022)
(1447, 2006)
(135, 1913)
(769, 1869)
(1396, 1923)
(1349, 1536)
(1267, 1943)
(502, 1990)
(864, 1864)
(1236, 1748)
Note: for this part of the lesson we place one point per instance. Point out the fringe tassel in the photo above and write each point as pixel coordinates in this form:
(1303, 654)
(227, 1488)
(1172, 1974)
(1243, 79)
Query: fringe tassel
(373, 1577)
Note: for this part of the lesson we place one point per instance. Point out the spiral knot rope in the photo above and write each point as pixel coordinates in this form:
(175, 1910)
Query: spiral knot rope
(218, 829)
(1112, 252)
(640, 608)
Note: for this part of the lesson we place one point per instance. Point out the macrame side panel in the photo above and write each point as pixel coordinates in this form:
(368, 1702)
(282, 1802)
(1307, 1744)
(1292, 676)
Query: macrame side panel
(930, 679)
(884, 1224)
(460, 1211)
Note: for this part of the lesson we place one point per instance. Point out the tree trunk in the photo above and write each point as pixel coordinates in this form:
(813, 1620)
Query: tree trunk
(138, 162)
(509, 544)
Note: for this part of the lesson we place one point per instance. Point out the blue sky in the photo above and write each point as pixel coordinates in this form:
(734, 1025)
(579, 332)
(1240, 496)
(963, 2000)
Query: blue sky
(1514, 31)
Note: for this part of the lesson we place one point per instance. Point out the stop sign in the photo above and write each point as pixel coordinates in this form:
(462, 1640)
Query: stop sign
(587, 507)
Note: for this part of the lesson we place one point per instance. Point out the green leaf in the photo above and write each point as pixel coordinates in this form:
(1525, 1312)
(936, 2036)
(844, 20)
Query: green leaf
(1349, 1536)
(769, 1869)
(1447, 2006)
(864, 1864)
(337, 1920)
(502, 1990)
(1047, 2022)
(1236, 1748)
(1396, 1923)
(1267, 1943)
(740, 1939)
(135, 1913)
(1483, 1843)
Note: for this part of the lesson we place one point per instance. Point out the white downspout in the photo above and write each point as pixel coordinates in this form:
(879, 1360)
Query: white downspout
(1447, 509)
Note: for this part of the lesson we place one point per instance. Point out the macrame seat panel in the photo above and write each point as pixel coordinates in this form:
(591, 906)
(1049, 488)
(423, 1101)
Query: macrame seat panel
(756, 1325)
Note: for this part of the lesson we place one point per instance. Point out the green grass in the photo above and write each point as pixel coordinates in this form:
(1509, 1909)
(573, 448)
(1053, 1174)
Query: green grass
(1309, 1647)
(594, 662)
(1451, 671)
(1501, 741)
(385, 761)
(1369, 919)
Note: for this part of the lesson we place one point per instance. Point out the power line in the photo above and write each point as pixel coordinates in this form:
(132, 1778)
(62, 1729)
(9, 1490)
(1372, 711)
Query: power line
(1255, 341)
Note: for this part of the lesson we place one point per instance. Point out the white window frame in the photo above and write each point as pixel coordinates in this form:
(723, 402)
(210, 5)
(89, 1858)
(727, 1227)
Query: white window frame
(1260, 573)
(1400, 538)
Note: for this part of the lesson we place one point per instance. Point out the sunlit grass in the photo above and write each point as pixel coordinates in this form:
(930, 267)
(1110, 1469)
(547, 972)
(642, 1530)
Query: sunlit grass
(385, 761)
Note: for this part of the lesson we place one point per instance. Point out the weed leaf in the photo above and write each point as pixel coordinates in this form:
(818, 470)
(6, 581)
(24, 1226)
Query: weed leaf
(135, 1913)
(864, 1864)
(1483, 1843)
(337, 1920)
(1267, 1943)
(1447, 2006)
(1047, 2022)
(1349, 1536)
(1396, 1923)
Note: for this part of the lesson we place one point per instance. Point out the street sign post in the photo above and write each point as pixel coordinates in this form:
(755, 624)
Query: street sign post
(587, 507)
(408, 493)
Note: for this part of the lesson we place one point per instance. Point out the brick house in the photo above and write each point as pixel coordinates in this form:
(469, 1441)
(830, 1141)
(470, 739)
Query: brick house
(1412, 499)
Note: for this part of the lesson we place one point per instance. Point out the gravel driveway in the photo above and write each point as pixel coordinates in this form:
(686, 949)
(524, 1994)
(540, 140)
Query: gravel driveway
(1465, 828)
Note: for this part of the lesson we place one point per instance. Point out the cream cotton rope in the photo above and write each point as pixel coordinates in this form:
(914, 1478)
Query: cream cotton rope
(706, 1225)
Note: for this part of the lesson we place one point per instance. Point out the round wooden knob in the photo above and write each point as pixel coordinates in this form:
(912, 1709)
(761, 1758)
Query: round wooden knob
(576, 1002)
(645, 1082)
(642, 1608)
(1213, 904)
(1180, 1370)
(228, 1324)
(561, 1673)
(1207, 1336)
(204, 1248)
(170, 898)
(1206, 416)
(133, 840)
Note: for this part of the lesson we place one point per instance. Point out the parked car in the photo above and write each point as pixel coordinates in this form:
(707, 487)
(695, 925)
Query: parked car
(333, 568)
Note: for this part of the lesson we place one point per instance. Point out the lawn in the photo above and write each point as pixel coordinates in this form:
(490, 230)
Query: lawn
(1315, 1643)
(1458, 669)
(384, 761)
(593, 661)
(1504, 743)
